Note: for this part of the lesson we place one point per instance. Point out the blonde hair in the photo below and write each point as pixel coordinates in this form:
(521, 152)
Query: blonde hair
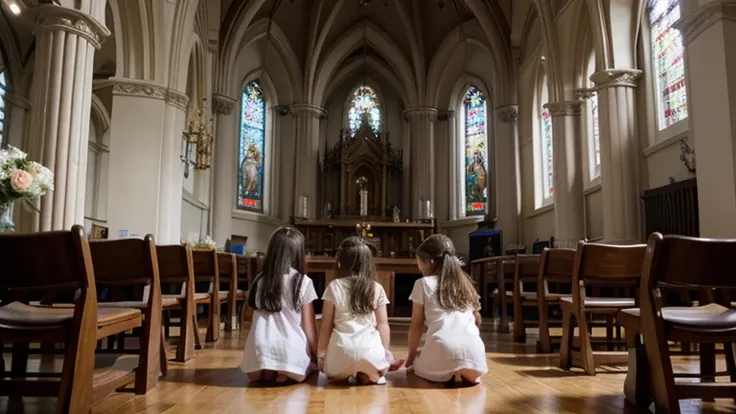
(456, 291)
(355, 260)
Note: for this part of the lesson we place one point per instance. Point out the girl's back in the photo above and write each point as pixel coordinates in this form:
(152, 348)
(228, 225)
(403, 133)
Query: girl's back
(345, 320)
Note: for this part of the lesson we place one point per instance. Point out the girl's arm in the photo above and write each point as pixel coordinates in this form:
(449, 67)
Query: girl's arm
(309, 325)
(477, 318)
(325, 331)
(415, 331)
(382, 326)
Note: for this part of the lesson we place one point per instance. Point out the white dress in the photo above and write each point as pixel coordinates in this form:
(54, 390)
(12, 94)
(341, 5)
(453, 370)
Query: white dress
(276, 340)
(355, 344)
(453, 340)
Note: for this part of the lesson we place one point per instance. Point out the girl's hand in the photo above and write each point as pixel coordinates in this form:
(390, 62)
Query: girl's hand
(394, 364)
(410, 360)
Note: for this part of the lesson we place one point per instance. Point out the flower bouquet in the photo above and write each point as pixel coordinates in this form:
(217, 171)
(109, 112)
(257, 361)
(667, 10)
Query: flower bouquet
(206, 244)
(20, 179)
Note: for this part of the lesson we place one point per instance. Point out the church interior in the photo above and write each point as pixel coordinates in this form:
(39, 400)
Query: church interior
(149, 149)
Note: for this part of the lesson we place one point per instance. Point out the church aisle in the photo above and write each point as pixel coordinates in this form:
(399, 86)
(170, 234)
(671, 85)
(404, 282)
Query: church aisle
(518, 381)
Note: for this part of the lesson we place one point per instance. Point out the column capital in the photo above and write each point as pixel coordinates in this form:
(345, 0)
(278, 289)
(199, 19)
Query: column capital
(585, 93)
(51, 18)
(419, 111)
(146, 89)
(703, 17)
(445, 115)
(609, 78)
(508, 113)
(565, 108)
(222, 104)
(315, 110)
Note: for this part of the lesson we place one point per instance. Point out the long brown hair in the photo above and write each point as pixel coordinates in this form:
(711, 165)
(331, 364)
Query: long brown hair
(285, 252)
(355, 259)
(456, 291)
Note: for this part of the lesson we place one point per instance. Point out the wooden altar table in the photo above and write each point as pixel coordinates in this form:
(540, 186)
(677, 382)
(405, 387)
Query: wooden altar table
(386, 270)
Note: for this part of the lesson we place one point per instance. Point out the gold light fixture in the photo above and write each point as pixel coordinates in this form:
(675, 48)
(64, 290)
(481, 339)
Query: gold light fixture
(197, 143)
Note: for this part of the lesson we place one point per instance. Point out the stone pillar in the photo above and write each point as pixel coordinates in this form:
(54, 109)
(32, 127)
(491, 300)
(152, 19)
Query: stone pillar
(506, 174)
(619, 154)
(307, 118)
(567, 135)
(66, 40)
(421, 126)
(146, 173)
(453, 165)
(225, 156)
(709, 36)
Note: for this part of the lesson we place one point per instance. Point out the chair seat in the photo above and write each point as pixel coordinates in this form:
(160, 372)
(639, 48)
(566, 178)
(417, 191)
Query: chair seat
(533, 295)
(198, 297)
(165, 302)
(711, 316)
(605, 302)
(20, 314)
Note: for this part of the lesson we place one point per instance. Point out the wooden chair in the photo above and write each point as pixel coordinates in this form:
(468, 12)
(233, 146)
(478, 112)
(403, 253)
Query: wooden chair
(176, 266)
(58, 260)
(133, 263)
(556, 266)
(227, 265)
(674, 262)
(206, 270)
(526, 270)
(600, 264)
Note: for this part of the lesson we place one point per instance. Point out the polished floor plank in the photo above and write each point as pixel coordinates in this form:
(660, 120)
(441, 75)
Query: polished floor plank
(518, 382)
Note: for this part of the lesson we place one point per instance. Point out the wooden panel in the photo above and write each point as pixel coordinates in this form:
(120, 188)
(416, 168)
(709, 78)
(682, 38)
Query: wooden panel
(673, 209)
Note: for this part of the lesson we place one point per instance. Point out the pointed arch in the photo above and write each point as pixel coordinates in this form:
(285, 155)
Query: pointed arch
(364, 101)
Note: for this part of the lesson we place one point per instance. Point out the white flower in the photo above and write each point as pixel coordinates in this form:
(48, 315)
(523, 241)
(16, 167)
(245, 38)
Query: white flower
(15, 153)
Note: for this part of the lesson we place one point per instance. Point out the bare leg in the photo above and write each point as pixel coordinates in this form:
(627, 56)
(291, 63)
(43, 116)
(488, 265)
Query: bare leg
(470, 376)
(255, 376)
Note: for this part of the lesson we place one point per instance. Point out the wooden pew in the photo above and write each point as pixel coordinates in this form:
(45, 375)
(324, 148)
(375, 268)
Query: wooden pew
(600, 264)
(227, 264)
(526, 269)
(556, 266)
(206, 269)
(50, 261)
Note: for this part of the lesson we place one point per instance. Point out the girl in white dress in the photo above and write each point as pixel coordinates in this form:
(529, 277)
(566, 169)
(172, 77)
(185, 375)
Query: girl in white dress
(354, 336)
(447, 302)
(282, 341)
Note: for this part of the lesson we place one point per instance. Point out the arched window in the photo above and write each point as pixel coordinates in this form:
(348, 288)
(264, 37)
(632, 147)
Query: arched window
(251, 147)
(668, 60)
(546, 156)
(3, 89)
(364, 104)
(594, 138)
(475, 166)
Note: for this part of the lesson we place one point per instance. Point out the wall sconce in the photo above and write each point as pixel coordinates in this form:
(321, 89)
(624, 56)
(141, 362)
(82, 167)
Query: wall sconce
(197, 143)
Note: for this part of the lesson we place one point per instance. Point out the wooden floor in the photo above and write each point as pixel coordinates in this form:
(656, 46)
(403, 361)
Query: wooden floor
(518, 381)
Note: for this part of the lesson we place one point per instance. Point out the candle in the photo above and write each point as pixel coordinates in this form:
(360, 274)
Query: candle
(420, 210)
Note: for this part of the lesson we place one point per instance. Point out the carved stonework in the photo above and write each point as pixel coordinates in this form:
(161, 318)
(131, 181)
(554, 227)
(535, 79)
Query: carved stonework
(687, 155)
(51, 17)
(565, 108)
(508, 113)
(139, 88)
(445, 115)
(178, 99)
(609, 78)
(300, 108)
(585, 93)
(421, 111)
(222, 104)
(703, 17)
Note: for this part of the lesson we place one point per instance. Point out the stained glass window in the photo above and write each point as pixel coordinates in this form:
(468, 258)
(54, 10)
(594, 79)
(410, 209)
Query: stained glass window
(364, 105)
(548, 187)
(669, 65)
(3, 89)
(595, 169)
(251, 148)
(476, 142)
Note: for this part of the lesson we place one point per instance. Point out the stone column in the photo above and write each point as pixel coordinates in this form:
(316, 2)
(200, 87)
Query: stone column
(619, 154)
(568, 172)
(453, 165)
(421, 126)
(307, 118)
(225, 157)
(506, 173)
(66, 40)
(709, 36)
(146, 174)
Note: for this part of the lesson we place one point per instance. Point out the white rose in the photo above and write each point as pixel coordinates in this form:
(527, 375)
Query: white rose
(21, 180)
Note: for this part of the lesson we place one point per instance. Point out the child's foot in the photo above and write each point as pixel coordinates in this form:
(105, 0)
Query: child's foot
(395, 365)
(281, 379)
(269, 376)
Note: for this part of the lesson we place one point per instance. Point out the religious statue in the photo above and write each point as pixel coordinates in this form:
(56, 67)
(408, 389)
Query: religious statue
(397, 214)
(250, 169)
(361, 183)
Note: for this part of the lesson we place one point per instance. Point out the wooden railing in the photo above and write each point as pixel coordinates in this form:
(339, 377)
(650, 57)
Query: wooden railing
(673, 209)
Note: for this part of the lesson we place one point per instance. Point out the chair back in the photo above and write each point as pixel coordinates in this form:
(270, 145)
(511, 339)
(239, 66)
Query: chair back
(226, 263)
(606, 263)
(46, 261)
(526, 269)
(681, 261)
(205, 265)
(125, 261)
(557, 265)
(175, 263)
